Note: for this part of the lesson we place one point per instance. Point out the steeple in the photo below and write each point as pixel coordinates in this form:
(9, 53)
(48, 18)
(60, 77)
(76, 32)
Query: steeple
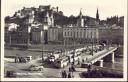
(97, 15)
(80, 13)
(80, 21)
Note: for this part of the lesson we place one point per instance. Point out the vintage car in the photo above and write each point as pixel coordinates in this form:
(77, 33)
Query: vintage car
(11, 74)
(36, 68)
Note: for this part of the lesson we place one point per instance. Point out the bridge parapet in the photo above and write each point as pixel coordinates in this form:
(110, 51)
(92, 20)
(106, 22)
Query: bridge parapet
(100, 55)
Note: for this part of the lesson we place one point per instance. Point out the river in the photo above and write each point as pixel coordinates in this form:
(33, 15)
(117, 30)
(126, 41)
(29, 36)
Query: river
(118, 64)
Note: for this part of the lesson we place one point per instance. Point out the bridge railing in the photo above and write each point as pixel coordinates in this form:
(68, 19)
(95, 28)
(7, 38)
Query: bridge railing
(100, 54)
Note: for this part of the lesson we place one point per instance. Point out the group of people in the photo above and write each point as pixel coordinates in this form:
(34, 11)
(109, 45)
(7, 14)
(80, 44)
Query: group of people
(21, 60)
(68, 75)
(65, 74)
(72, 68)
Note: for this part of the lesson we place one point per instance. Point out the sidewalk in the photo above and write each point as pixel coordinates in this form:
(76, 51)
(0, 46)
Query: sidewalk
(78, 71)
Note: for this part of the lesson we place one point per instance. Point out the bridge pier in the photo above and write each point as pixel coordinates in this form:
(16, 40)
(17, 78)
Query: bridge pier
(99, 63)
(109, 58)
(113, 57)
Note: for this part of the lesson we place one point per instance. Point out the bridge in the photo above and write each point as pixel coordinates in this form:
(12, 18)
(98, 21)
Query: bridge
(104, 55)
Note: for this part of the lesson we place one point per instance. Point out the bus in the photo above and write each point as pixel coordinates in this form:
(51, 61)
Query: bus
(61, 62)
(53, 56)
(74, 56)
(65, 60)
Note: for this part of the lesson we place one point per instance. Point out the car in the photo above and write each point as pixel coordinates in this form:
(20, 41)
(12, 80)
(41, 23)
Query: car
(36, 68)
(11, 74)
(51, 59)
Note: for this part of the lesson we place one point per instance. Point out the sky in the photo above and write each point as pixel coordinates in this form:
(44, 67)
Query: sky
(107, 8)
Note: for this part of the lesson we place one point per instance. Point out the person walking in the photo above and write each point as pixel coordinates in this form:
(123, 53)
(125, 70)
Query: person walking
(73, 68)
(62, 74)
(69, 75)
(70, 70)
(16, 59)
(65, 74)
(82, 60)
(78, 61)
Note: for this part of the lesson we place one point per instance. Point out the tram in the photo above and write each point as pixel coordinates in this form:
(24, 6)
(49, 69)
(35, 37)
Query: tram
(61, 62)
(65, 60)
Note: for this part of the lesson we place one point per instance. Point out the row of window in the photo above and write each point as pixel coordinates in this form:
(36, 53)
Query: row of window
(36, 37)
(19, 41)
(79, 34)
(79, 29)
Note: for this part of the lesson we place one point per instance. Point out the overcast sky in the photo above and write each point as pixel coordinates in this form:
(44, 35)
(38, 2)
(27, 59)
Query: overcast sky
(106, 8)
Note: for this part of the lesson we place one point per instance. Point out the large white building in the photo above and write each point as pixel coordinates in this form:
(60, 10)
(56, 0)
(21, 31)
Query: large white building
(68, 34)
(55, 34)
(37, 35)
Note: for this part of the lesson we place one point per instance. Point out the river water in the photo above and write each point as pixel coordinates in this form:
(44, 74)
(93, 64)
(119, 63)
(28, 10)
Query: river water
(118, 64)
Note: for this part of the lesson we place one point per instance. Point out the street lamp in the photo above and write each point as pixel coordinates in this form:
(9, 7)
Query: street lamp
(92, 43)
(74, 47)
(42, 53)
(45, 29)
(10, 38)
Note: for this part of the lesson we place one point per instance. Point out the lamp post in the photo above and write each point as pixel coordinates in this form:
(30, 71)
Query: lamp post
(74, 47)
(10, 38)
(42, 45)
(42, 53)
(92, 43)
(110, 37)
(72, 65)
(45, 29)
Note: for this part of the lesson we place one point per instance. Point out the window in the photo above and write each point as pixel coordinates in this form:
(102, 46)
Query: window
(71, 33)
(80, 34)
(77, 34)
(65, 33)
(68, 34)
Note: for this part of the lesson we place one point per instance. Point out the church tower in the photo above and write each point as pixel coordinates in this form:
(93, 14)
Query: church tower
(80, 21)
(97, 15)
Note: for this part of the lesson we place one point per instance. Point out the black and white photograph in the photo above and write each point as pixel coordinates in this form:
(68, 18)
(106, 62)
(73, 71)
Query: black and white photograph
(76, 40)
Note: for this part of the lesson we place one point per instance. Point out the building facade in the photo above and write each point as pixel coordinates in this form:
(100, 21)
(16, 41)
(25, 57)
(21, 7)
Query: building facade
(19, 37)
(37, 36)
(112, 35)
(68, 34)
(37, 26)
(55, 34)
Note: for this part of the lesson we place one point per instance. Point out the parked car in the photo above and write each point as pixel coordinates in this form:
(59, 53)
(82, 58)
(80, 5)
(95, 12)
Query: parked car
(11, 74)
(51, 58)
(36, 68)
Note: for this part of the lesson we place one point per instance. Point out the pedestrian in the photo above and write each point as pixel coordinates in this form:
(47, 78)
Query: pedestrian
(62, 74)
(19, 59)
(69, 75)
(83, 60)
(70, 69)
(73, 68)
(65, 74)
(89, 67)
(16, 59)
(78, 61)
